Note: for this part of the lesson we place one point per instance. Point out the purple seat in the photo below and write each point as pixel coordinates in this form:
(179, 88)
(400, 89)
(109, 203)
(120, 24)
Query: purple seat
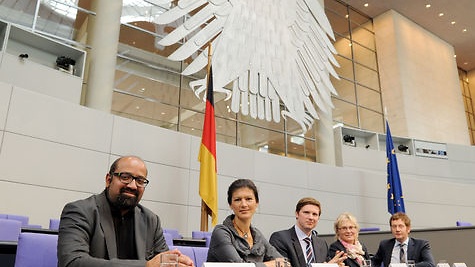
(3, 216)
(53, 224)
(201, 254)
(460, 223)
(23, 219)
(168, 239)
(369, 229)
(37, 250)
(174, 232)
(200, 234)
(9, 230)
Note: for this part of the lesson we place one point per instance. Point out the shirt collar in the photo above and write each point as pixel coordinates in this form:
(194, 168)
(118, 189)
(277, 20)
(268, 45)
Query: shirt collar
(300, 234)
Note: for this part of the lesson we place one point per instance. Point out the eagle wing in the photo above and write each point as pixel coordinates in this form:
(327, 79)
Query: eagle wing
(270, 51)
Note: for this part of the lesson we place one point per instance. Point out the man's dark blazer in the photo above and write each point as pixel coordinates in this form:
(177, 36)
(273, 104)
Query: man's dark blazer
(87, 236)
(417, 250)
(288, 245)
(338, 246)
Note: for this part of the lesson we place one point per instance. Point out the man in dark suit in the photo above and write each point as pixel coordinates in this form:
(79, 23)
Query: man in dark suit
(402, 248)
(112, 228)
(292, 244)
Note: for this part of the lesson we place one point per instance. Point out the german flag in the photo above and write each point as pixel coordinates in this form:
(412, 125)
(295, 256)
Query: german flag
(207, 157)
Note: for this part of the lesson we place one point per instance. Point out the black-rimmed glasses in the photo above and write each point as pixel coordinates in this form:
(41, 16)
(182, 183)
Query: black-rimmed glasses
(127, 178)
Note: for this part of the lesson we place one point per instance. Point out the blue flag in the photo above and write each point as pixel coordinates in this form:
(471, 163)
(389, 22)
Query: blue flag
(395, 197)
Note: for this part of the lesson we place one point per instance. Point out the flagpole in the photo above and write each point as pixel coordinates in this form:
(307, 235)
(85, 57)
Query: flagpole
(205, 210)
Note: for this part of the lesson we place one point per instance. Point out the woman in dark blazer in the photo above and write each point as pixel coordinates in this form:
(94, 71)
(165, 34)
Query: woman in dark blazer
(346, 230)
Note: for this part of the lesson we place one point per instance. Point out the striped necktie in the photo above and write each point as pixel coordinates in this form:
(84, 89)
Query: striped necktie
(402, 253)
(309, 251)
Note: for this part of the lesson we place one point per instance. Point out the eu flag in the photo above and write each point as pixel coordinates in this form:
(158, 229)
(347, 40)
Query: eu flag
(395, 197)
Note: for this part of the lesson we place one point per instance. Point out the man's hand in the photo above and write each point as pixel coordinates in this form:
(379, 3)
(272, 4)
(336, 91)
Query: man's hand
(183, 260)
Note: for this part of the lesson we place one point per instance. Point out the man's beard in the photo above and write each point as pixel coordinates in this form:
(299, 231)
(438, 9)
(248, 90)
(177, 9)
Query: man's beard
(122, 201)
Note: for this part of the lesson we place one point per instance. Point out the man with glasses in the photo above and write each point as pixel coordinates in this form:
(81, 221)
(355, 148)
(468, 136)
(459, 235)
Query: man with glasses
(112, 228)
(402, 248)
(300, 244)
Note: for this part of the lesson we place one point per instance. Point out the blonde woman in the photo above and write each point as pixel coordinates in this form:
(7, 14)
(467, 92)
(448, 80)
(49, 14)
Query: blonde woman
(346, 230)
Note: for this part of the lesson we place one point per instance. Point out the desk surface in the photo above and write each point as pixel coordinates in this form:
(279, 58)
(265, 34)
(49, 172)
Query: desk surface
(189, 242)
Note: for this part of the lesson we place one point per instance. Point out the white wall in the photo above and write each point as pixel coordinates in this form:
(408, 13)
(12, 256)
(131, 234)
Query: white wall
(419, 81)
(53, 152)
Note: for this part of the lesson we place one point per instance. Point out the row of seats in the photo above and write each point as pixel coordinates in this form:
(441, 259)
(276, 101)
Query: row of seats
(40, 250)
(23, 219)
(171, 234)
(10, 228)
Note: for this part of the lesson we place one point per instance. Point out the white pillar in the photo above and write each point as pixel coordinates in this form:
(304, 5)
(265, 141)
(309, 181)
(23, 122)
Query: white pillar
(325, 138)
(103, 38)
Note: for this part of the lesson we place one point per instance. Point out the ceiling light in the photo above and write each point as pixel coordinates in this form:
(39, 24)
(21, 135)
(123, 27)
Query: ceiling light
(366, 5)
(453, 22)
(455, 55)
(441, 14)
(298, 140)
(464, 30)
(465, 63)
(428, 5)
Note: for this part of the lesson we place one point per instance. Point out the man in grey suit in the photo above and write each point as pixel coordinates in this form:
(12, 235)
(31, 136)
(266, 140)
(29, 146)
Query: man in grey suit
(292, 244)
(112, 228)
(402, 248)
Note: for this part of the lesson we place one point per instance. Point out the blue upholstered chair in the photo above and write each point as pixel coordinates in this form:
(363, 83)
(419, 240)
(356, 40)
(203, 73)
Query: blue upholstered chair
(202, 235)
(36, 250)
(201, 254)
(53, 224)
(9, 230)
(168, 239)
(369, 229)
(174, 232)
(23, 219)
(460, 223)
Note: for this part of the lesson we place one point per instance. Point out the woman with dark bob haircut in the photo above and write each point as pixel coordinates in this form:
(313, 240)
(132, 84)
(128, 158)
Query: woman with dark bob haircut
(236, 240)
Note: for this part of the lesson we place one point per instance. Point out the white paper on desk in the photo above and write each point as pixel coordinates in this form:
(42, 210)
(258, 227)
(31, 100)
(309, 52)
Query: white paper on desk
(459, 264)
(443, 264)
(228, 264)
(325, 265)
(398, 265)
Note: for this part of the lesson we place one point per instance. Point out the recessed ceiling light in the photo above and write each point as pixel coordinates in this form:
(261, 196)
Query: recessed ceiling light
(441, 14)
(455, 55)
(453, 22)
(137, 107)
(428, 5)
(464, 30)
(465, 63)
(163, 113)
(366, 5)
(142, 90)
(347, 16)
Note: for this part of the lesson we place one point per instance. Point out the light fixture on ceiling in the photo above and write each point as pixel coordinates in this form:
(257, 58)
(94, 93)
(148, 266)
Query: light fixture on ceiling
(366, 5)
(452, 22)
(441, 14)
(427, 5)
(298, 140)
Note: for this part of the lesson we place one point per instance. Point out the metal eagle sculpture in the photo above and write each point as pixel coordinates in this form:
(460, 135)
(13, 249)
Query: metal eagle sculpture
(270, 51)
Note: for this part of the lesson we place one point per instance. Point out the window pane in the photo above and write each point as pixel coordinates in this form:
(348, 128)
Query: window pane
(363, 37)
(345, 112)
(345, 69)
(345, 89)
(140, 109)
(258, 138)
(366, 77)
(368, 98)
(343, 47)
(371, 120)
(300, 148)
(360, 20)
(338, 22)
(364, 56)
